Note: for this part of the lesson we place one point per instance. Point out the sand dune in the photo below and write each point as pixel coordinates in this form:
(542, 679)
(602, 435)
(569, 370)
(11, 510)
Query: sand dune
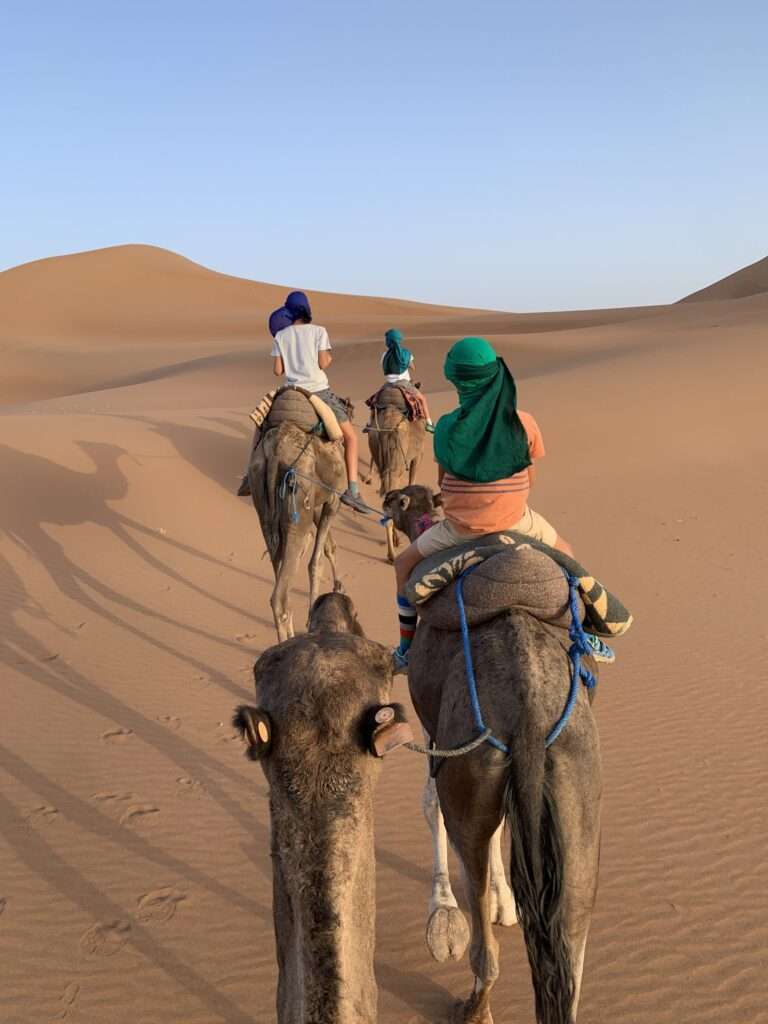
(135, 877)
(751, 280)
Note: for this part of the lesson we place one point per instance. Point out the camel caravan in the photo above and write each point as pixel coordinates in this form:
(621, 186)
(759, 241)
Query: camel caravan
(501, 633)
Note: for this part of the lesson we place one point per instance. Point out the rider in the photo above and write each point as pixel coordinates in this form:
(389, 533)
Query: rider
(484, 451)
(396, 362)
(301, 351)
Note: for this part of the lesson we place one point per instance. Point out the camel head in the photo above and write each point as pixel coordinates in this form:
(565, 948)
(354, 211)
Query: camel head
(323, 723)
(334, 613)
(412, 509)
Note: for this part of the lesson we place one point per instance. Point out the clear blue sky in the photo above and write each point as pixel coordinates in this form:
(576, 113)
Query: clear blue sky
(522, 155)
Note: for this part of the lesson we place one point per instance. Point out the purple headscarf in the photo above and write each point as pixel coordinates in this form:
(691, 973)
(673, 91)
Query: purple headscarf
(297, 305)
(279, 320)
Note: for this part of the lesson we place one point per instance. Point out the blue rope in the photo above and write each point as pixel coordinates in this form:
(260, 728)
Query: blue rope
(477, 714)
(288, 486)
(579, 647)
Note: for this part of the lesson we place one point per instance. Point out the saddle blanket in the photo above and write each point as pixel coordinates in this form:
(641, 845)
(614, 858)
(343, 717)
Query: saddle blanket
(408, 399)
(516, 572)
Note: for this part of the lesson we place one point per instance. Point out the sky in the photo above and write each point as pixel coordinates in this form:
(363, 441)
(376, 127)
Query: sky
(514, 155)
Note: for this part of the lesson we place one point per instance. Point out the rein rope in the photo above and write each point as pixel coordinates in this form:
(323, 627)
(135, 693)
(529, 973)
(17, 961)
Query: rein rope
(579, 674)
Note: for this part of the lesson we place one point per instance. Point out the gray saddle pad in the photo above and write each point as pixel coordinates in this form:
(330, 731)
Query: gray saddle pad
(519, 578)
(293, 406)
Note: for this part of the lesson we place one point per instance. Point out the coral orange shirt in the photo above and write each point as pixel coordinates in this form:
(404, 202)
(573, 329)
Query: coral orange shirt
(490, 507)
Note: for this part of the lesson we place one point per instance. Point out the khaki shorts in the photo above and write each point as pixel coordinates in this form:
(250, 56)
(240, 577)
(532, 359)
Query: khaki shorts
(445, 535)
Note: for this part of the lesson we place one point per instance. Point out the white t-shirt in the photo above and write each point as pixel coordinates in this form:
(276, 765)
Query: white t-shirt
(395, 378)
(299, 346)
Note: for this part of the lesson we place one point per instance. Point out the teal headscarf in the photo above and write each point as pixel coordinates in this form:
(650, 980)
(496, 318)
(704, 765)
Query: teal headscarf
(484, 439)
(396, 359)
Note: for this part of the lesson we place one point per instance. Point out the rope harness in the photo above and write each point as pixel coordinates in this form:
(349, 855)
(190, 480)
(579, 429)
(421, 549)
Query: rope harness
(579, 674)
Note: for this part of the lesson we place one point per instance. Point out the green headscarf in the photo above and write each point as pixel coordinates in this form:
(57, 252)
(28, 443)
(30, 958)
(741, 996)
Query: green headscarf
(482, 440)
(397, 358)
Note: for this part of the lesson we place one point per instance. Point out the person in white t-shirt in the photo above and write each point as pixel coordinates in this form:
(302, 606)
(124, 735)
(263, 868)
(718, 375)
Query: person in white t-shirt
(301, 351)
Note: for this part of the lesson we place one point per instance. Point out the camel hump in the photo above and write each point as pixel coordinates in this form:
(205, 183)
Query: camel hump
(390, 396)
(521, 578)
(292, 405)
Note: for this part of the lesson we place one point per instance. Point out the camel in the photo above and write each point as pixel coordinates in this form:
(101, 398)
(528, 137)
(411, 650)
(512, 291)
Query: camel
(550, 797)
(322, 713)
(295, 479)
(396, 444)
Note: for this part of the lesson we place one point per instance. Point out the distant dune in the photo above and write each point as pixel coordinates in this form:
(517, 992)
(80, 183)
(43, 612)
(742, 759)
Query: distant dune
(121, 316)
(751, 280)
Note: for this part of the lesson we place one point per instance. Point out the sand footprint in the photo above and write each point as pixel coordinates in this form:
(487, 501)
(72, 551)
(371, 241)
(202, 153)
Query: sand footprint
(108, 797)
(105, 938)
(138, 812)
(171, 721)
(189, 786)
(116, 735)
(3, 903)
(68, 999)
(43, 814)
(159, 905)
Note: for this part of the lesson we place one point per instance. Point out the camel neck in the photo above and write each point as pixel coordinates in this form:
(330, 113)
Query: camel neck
(325, 904)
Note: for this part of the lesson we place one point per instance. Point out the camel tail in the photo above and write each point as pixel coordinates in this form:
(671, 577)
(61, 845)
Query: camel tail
(537, 876)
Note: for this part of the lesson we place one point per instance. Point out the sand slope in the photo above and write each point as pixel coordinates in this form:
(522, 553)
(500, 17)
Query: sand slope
(135, 878)
(751, 280)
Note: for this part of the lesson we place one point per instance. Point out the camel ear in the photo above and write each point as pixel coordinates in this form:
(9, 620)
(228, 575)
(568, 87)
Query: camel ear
(404, 501)
(437, 500)
(255, 726)
(385, 728)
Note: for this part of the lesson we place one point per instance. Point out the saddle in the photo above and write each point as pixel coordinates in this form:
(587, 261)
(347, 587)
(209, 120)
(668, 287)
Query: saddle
(513, 571)
(397, 396)
(295, 405)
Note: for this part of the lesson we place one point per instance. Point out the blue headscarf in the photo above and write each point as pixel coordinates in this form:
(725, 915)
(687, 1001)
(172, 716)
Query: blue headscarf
(396, 359)
(298, 306)
(279, 320)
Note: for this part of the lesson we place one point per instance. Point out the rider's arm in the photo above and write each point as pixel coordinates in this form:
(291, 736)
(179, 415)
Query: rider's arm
(324, 359)
(277, 366)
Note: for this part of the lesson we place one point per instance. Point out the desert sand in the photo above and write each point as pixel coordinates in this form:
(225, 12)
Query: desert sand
(135, 877)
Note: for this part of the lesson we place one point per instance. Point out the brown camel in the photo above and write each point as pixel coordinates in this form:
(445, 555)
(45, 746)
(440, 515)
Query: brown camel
(550, 797)
(294, 480)
(322, 713)
(396, 444)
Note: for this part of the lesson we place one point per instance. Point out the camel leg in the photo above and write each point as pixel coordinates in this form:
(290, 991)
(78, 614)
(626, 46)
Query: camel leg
(392, 542)
(502, 901)
(447, 930)
(473, 845)
(286, 570)
(330, 554)
(321, 535)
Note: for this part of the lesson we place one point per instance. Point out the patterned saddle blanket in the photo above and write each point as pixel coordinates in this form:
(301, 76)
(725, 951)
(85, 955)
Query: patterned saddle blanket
(514, 571)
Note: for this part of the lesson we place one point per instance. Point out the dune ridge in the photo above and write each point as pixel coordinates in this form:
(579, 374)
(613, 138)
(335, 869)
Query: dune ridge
(749, 280)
